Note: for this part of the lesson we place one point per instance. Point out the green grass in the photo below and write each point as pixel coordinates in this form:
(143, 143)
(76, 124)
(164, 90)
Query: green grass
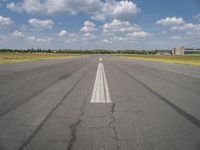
(185, 60)
(11, 58)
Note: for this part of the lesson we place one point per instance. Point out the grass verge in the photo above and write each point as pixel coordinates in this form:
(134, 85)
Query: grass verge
(11, 58)
(185, 60)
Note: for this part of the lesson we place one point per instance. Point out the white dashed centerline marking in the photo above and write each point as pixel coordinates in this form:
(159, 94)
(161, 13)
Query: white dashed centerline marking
(100, 59)
(101, 92)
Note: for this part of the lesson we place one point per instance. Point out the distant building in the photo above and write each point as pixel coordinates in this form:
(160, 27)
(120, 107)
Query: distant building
(178, 51)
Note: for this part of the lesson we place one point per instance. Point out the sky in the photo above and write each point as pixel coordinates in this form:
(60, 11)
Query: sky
(99, 24)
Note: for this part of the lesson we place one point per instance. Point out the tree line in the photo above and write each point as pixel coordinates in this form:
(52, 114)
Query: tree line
(145, 52)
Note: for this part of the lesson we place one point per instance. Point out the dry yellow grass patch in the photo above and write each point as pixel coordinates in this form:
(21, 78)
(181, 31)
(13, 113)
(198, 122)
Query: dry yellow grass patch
(10, 58)
(186, 60)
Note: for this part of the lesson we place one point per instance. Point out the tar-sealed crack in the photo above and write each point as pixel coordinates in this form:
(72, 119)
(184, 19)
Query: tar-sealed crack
(28, 140)
(116, 138)
(73, 127)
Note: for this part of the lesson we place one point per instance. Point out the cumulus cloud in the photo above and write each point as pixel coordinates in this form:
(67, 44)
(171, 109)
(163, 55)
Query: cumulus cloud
(17, 34)
(120, 26)
(3, 37)
(178, 24)
(119, 38)
(62, 33)
(89, 27)
(197, 17)
(120, 10)
(186, 27)
(125, 8)
(89, 36)
(44, 24)
(68, 37)
(88, 30)
(29, 6)
(40, 40)
(106, 41)
(55, 6)
(5, 21)
(31, 38)
(100, 10)
(170, 21)
(180, 30)
(123, 31)
(138, 34)
(175, 37)
(71, 40)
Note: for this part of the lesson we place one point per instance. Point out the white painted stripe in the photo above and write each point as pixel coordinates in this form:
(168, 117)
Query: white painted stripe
(101, 92)
(100, 59)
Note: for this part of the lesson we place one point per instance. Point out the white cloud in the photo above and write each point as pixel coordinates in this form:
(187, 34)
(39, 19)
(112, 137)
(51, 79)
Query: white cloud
(186, 27)
(122, 31)
(106, 41)
(88, 27)
(197, 17)
(44, 24)
(164, 32)
(68, 37)
(140, 34)
(120, 26)
(88, 30)
(5, 21)
(119, 38)
(17, 34)
(175, 37)
(29, 6)
(120, 10)
(62, 33)
(89, 36)
(71, 40)
(98, 8)
(72, 6)
(55, 6)
(31, 38)
(170, 21)
(3, 37)
(40, 40)
(124, 8)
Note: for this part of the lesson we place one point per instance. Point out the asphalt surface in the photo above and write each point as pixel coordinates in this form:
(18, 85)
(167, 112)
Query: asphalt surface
(47, 105)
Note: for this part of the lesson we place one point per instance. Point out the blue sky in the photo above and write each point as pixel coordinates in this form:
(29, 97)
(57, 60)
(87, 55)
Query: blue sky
(99, 24)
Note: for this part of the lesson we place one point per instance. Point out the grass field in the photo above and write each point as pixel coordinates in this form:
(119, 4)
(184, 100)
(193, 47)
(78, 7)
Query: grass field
(10, 58)
(186, 60)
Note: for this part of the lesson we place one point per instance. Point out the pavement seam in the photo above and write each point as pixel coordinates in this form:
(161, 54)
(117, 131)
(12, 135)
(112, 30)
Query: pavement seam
(28, 140)
(180, 111)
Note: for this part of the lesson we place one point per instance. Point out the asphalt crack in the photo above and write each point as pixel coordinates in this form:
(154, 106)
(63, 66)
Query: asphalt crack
(28, 140)
(175, 107)
(33, 95)
(116, 137)
(73, 127)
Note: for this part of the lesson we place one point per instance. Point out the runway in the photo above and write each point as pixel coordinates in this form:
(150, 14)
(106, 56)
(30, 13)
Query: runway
(99, 102)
